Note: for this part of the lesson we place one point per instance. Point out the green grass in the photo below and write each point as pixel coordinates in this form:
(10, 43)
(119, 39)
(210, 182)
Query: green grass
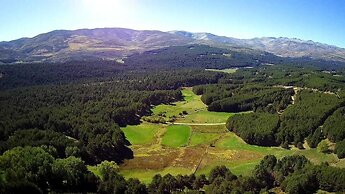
(140, 134)
(196, 109)
(233, 142)
(176, 136)
(238, 168)
(190, 104)
(229, 70)
(317, 158)
(203, 138)
(207, 117)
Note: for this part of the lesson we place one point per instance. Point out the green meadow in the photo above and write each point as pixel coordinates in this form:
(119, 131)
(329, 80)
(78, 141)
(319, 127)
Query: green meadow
(176, 136)
(140, 134)
(198, 143)
(203, 138)
(196, 109)
(191, 104)
(229, 70)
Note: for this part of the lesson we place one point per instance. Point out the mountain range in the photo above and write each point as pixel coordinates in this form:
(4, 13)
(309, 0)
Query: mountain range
(116, 43)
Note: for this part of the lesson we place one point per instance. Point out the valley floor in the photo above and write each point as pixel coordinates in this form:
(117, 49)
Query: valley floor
(196, 142)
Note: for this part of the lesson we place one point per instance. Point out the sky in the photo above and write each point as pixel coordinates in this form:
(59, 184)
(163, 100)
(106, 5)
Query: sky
(318, 20)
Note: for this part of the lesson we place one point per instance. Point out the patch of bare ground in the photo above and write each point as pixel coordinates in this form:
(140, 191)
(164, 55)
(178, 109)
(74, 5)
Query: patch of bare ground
(189, 157)
(153, 160)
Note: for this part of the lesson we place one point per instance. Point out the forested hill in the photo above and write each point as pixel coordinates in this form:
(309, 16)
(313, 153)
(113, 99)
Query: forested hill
(203, 56)
(172, 58)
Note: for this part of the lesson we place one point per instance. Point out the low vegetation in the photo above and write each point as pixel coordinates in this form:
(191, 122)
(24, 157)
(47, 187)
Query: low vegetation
(203, 138)
(176, 136)
(143, 134)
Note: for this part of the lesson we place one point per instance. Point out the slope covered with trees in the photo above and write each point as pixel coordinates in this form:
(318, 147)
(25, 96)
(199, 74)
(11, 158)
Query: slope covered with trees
(238, 98)
(296, 123)
(309, 111)
(257, 128)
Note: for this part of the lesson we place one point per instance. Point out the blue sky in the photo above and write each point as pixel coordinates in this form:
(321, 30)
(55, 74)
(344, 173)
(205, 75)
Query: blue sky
(318, 20)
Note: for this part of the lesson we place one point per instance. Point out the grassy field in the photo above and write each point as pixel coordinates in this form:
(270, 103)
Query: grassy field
(176, 136)
(196, 109)
(229, 70)
(206, 117)
(140, 134)
(238, 168)
(203, 138)
(233, 142)
(191, 104)
(183, 149)
(209, 129)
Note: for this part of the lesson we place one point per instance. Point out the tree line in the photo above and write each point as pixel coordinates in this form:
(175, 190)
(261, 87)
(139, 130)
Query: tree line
(244, 97)
(34, 170)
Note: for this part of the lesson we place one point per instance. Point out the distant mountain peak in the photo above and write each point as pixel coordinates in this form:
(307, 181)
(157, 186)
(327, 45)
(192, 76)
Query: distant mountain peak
(112, 43)
(282, 46)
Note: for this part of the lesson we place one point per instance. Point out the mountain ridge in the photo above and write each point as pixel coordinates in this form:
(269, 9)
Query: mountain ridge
(281, 46)
(114, 43)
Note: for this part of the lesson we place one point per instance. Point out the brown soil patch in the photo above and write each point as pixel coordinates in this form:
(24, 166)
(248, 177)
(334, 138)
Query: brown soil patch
(154, 160)
(189, 157)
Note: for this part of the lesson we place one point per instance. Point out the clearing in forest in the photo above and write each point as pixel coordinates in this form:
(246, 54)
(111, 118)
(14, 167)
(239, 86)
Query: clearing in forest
(192, 105)
(229, 70)
(183, 149)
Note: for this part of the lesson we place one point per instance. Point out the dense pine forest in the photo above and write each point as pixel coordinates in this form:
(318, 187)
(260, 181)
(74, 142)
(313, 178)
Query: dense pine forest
(57, 119)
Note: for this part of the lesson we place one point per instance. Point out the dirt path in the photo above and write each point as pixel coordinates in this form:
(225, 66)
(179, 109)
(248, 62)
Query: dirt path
(297, 89)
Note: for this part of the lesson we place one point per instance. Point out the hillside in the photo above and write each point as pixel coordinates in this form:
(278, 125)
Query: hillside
(282, 46)
(115, 43)
(85, 44)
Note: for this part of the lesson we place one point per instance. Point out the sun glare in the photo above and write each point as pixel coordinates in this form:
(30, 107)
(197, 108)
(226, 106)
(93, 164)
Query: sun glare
(106, 8)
